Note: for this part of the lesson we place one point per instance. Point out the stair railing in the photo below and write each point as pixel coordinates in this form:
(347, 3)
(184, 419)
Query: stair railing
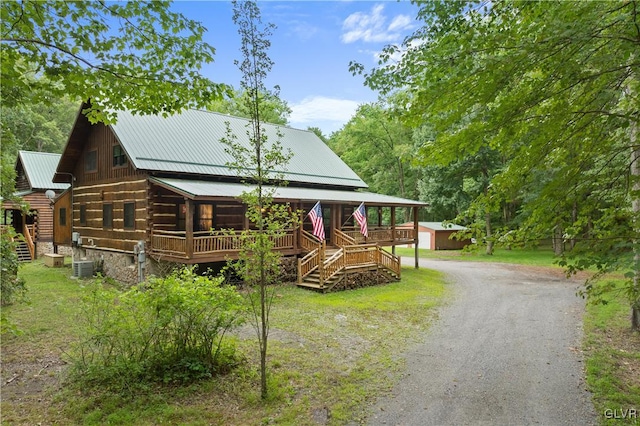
(332, 266)
(342, 239)
(389, 261)
(29, 240)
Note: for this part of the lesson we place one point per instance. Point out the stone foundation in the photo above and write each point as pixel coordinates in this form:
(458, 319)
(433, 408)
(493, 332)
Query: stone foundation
(123, 267)
(44, 247)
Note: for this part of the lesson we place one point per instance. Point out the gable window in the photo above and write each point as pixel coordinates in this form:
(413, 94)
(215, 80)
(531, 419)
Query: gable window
(91, 161)
(119, 157)
(83, 214)
(107, 215)
(129, 215)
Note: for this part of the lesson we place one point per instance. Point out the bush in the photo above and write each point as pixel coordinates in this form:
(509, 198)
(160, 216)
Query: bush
(165, 330)
(12, 287)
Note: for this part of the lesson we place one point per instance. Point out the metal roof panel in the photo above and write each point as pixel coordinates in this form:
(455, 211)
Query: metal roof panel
(190, 142)
(197, 189)
(40, 168)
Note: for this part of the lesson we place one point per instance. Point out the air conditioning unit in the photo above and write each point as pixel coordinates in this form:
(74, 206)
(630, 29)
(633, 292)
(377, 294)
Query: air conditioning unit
(83, 269)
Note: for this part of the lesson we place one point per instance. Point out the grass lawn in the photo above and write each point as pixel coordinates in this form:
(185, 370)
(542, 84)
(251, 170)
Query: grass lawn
(329, 356)
(612, 354)
(534, 257)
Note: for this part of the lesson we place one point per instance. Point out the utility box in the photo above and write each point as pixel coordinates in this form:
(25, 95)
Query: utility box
(83, 269)
(54, 260)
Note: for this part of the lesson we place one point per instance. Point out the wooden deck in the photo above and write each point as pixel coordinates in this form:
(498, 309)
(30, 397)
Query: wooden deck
(323, 268)
(202, 247)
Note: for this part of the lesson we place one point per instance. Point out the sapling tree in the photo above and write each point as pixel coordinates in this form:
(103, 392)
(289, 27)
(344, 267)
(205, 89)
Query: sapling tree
(259, 159)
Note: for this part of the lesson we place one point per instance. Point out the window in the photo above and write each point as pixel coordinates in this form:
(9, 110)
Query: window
(83, 214)
(107, 215)
(91, 161)
(119, 157)
(129, 215)
(63, 216)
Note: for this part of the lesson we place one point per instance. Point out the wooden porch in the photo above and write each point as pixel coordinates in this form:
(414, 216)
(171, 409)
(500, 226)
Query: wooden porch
(205, 247)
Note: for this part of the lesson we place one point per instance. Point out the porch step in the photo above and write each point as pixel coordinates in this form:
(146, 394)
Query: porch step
(22, 250)
(313, 281)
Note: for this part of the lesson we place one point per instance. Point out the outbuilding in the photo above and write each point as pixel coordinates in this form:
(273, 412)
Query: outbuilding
(437, 236)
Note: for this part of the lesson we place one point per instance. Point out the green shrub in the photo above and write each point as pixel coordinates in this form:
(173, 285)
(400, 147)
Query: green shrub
(12, 287)
(165, 330)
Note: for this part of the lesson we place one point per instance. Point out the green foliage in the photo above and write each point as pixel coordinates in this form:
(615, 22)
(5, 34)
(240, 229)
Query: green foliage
(135, 55)
(272, 109)
(38, 126)
(165, 330)
(550, 87)
(612, 357)
(258, 264)
(380, 148)
(13, 288)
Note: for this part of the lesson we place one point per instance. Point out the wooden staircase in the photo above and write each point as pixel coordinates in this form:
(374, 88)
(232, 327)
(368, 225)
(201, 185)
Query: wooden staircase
(23, 252)
(325, 267)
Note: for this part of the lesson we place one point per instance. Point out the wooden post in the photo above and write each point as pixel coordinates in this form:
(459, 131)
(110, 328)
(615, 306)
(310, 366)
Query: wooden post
(393, 229)
(321, 264)
(188, 226)
(415, 233)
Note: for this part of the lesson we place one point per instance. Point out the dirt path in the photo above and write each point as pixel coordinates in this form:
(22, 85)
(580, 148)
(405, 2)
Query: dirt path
(506, 351)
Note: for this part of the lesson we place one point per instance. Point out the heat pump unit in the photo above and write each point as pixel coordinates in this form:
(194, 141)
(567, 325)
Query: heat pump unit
(83, 269)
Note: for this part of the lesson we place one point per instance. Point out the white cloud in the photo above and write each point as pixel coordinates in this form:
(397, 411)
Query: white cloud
(372, 27)
(329, 114)
(400, 22)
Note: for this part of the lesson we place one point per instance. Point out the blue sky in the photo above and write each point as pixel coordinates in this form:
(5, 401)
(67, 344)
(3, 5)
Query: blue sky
(311, 49)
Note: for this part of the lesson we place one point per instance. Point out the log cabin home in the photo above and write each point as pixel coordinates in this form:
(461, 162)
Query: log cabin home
(34, 186)
(166, 182)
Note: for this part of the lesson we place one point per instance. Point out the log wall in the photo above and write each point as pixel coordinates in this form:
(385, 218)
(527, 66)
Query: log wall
(108, 185)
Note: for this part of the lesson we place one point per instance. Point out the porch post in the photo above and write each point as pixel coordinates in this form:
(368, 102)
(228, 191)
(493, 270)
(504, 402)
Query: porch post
(188, 226)
(393, 229)
(246, 225)
(415, 234)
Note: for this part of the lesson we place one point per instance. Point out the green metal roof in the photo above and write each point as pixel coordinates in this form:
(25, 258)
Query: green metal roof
(39, 168)
(197, 189)
(189, 142)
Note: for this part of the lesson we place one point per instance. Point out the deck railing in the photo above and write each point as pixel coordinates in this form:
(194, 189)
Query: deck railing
(383, 234)
(174, 243)
(357, 256)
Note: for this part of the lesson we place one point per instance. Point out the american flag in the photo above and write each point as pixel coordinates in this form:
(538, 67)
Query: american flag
(316, 219)
(361, 217)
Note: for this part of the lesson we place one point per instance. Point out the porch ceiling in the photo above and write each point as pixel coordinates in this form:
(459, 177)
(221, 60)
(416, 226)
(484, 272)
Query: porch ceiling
(203, 190)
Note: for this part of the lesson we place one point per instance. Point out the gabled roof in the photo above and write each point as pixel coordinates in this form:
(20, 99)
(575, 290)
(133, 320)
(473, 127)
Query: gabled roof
(189, 143)
(39, 168)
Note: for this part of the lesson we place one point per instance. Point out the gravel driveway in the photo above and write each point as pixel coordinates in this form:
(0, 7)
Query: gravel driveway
(506, 351)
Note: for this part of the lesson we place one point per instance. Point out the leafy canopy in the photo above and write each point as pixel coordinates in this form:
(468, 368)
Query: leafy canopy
(552, 87)
(132, 55)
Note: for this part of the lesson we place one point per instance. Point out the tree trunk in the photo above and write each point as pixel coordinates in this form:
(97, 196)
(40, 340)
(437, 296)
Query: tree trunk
(558, 246)
(487, 220)
(635, 207)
